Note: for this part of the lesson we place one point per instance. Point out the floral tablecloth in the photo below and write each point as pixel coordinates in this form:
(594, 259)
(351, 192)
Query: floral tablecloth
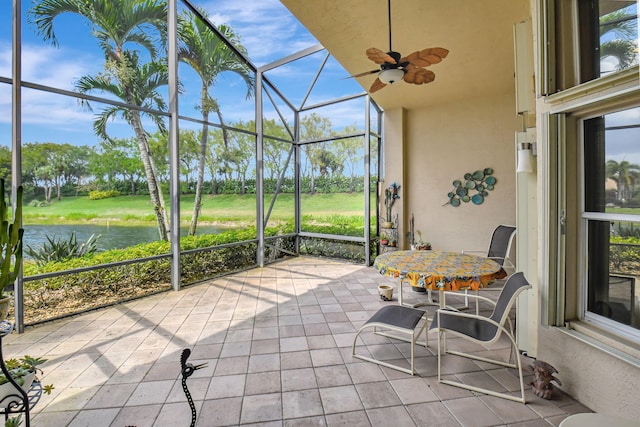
(439, 270)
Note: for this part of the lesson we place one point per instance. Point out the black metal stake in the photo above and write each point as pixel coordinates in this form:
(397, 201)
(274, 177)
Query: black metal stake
(187, 370)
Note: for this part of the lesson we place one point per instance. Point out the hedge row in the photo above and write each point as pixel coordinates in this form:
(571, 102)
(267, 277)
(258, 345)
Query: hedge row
(321, 184)
(624, 254)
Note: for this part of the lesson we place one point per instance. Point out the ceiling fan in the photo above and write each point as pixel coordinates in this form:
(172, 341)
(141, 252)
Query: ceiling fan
(395, 67)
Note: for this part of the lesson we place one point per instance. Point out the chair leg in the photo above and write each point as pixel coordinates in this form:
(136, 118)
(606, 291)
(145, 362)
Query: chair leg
(412, 358)
(441, 337)
(517, 365)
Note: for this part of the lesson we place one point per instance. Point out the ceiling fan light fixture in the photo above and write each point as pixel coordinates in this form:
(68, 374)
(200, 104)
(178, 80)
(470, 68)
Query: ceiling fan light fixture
(391, 75)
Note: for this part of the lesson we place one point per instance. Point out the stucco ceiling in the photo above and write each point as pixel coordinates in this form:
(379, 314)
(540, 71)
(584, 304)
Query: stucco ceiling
(478, 34)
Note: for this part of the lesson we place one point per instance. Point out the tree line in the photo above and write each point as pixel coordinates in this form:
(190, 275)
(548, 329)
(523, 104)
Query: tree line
(51, 170)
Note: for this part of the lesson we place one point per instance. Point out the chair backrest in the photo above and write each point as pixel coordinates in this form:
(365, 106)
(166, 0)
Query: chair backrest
(515, 284)
(500, 244)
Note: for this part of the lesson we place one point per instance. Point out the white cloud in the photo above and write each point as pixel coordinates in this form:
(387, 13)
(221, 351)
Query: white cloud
(51, 66)
(267, 29)
(623, 144)
(45, 113)
(56, 67)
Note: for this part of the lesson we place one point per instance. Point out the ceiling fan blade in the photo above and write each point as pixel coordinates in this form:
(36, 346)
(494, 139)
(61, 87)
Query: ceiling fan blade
(366, 73)
(426, 57)
(376, 86)
(418, 76)
(379, 57)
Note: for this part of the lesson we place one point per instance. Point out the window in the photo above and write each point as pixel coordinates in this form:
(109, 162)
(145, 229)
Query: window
(611, 220)
(608, 37)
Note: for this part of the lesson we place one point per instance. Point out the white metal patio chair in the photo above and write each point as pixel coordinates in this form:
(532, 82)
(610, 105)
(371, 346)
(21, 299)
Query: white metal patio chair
(398, 319)
(483, 330)
(499, 251)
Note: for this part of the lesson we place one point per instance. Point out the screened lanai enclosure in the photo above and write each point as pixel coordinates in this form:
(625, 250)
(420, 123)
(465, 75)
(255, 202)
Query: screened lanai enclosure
(153, 153)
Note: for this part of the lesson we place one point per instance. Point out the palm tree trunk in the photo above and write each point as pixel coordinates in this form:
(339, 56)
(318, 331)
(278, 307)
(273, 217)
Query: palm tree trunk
(201, 164)
(150, 170)
(58, 192)
(47, 192)
(132, 180)
(225, 139)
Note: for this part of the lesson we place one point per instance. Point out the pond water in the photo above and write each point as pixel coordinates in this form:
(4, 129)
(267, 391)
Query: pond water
(112, 237)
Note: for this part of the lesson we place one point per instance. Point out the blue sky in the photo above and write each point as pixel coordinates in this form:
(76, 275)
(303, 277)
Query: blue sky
(267, 30)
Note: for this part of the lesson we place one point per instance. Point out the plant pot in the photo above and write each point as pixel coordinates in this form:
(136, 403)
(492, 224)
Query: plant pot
(387, 224)
(384, 242)
(5, 304)
(386, 292)
(7, 389)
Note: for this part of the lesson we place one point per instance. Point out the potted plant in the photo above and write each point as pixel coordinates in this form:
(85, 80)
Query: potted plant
(391, 194)
(23, 371)
(384, 239)
(420, 244)
(13, 422)
(10, 246)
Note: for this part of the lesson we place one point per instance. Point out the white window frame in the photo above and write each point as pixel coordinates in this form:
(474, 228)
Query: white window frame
(617, 328)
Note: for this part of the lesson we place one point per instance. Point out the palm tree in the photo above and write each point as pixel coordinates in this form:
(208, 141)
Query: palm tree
(116, 23)
(624, 47)
(140, 88)
(209, 55)
(623, 173)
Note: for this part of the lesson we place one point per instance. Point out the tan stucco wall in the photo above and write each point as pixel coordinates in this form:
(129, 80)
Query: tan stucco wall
(596, 379)
(441, 145)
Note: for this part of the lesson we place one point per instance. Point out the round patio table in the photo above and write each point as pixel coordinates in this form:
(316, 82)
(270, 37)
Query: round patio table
(438, 270)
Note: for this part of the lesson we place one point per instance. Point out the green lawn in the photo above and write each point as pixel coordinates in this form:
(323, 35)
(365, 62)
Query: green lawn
(221, 208)
(633, 211)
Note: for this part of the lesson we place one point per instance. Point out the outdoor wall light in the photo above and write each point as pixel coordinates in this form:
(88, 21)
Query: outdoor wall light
(391, 75)
(525, 157)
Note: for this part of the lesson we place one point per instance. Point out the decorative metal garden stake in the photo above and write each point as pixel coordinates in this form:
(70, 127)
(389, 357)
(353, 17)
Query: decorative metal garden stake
(187, 370)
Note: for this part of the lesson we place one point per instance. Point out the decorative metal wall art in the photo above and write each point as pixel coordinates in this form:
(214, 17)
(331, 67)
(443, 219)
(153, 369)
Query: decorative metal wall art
(473, 188)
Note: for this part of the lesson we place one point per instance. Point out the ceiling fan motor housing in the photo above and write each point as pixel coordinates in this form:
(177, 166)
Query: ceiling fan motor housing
(391, 72)
(396, 56)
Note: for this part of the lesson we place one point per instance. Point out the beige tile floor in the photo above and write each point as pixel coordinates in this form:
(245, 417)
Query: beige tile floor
(277, 343)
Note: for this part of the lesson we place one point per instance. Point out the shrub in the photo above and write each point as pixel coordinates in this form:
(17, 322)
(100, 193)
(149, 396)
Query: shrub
(624, 252)
(628, 230)
(38, 203)
(97, 194)
(61, 250)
